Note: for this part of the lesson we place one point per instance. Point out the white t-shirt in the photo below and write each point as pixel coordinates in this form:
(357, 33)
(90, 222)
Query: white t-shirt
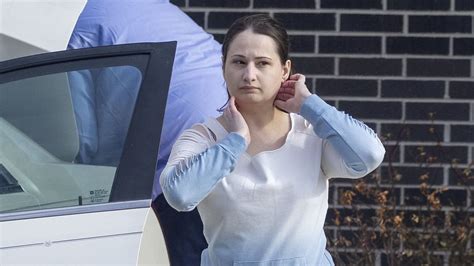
(271, 209)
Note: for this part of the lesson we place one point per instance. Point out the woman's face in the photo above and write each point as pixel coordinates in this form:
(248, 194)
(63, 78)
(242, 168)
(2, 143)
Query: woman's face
(253, 69)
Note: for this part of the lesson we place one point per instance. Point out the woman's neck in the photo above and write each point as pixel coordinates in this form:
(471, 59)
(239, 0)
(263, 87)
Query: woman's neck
(261, 117)
(268, 127)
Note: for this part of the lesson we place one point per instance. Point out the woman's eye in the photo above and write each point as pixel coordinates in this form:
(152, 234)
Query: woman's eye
(263, 63)
(239, 62)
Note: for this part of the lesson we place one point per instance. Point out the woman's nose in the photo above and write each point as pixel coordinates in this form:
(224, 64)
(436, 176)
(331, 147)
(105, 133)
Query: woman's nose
(250, 73)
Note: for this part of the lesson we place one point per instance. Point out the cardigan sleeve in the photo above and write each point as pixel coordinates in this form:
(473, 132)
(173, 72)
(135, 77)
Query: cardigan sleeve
(195, 166)
(350, 148)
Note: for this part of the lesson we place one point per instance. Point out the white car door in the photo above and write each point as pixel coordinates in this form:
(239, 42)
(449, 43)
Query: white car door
(79, 138)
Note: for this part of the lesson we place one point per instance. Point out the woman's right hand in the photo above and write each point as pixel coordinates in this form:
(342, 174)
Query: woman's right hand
(235, 121)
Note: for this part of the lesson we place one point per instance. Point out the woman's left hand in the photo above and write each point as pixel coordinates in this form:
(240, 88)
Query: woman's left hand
(292, 94)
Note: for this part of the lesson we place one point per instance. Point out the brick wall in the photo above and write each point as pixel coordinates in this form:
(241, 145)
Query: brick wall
(395, 64)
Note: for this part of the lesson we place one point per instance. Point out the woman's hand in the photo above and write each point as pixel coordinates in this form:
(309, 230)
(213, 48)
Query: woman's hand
(235, 121)
(292, 94)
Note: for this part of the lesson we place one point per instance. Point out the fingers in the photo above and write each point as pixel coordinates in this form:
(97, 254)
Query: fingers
(232, 111)
(284, 96)
(232, 103)
(227, 111)
(289, 84)
(281, 104)
(286, 90)
(287, 87)
(292, 93)
(235, 121)
(298, 77)
(301, 90)
(232, 106)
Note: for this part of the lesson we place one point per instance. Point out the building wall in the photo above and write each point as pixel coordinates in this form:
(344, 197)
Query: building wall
(404, 67)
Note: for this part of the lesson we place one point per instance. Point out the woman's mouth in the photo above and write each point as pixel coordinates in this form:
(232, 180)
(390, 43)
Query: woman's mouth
(248, 88)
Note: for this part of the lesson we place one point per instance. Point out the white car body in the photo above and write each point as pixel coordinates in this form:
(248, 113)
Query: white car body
(122, 237)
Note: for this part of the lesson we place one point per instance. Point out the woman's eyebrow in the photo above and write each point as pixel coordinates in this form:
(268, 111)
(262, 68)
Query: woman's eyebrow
(257, 57)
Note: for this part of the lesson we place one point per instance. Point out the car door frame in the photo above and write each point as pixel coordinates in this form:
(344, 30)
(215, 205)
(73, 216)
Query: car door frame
(133, 181)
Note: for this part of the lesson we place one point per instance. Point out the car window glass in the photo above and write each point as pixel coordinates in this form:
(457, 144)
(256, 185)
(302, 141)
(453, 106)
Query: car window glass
(62, 136)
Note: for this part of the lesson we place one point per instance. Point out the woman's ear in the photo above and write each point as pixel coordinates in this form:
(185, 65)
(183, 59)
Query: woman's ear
(286, 70)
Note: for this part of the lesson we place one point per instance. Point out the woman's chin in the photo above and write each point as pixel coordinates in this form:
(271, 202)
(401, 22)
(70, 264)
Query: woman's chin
(252, 100)
(247, 98)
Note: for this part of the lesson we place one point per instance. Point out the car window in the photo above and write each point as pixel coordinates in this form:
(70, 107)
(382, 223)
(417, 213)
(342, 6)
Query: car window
(62, 135)
(80, 129)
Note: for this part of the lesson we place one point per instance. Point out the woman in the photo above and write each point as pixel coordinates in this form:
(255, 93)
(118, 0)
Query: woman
(259, 173)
